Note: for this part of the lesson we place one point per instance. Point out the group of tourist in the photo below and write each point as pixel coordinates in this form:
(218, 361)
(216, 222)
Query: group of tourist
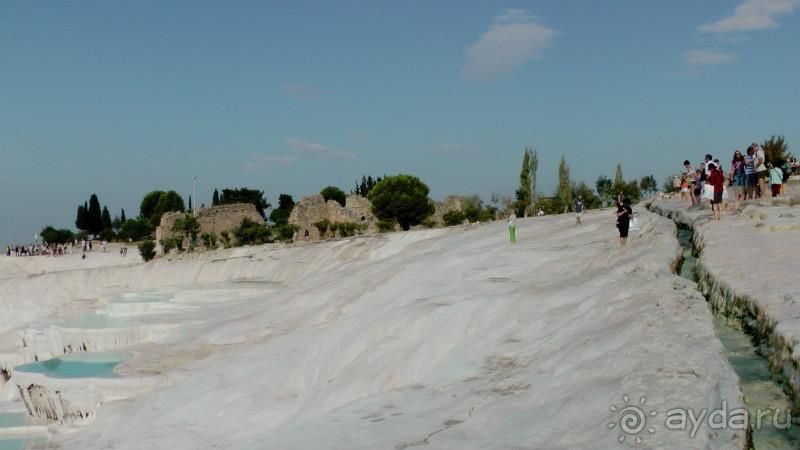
(49, 249)
(750, 176)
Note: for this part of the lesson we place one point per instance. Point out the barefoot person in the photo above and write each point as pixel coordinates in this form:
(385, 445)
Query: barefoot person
(624, 214)
(578, 210)
(717, 181)
(512, 228)
(738, 176)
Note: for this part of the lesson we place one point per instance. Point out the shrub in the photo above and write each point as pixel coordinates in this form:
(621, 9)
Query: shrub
(188, 226)
(346, 229)
(147, 250)
(225, 237)
(385, 226)
(285, 232)
(209, 240)
(252, 233)
(453, 218)
(323, 226)
(171, 243)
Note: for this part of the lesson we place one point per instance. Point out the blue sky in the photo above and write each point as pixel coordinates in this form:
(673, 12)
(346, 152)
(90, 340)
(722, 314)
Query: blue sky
(120, 98)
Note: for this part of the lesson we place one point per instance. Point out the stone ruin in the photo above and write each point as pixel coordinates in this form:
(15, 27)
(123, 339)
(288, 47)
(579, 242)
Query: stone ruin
(213, 220)
(450, 203)
(314, 209)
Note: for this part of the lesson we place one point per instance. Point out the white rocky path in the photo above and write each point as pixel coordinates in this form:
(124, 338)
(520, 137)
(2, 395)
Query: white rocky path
(443, 338)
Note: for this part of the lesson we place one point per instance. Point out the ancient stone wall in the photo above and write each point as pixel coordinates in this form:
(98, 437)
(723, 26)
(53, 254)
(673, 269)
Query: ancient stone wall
(213, 220)
(314, 209)
(450, 203)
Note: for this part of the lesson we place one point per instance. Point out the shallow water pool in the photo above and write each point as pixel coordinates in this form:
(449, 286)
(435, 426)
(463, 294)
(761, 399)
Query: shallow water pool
(78, 365)
(12, 420)
(94, 321)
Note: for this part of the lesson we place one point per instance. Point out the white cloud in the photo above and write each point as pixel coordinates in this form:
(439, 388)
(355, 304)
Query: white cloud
(259, 161)
(752, 15)
(709, 57)
(456, 150)
(513, 39)
(304, 147)
(301, 91)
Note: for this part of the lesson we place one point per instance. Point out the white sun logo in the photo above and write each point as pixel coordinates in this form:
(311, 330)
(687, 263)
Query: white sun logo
(632, 419)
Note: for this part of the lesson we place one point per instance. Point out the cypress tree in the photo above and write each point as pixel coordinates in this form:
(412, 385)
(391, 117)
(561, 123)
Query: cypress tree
(215, 198)
(564, 184)
(524, 191)
(95, 216)
(534, 166)
(122, 216)
(106, 219)
(81, 218)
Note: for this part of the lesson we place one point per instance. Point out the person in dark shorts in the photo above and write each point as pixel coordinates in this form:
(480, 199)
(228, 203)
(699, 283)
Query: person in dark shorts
(624, 214)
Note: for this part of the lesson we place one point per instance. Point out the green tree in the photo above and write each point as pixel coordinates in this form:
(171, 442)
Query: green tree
(474, 210)
(190, 204)
(147, 250)
(401, 198)
(668, 186)
(82, 217)
(51, 235)
(250, 232)
(619, 178)
(334, 193)
(564, 184)
(122, 217)
(605, 189)
(188, 226)
(135, 229)
(95, 216)
(105, 217)
(285, 201)
(280, 215)
(648, 185)
(534, 167)
(215, 198)
(776, 150)
(245, 195)
(523, 193)
(147, 208)
(590, 199)
(367, 183)
(156, 203)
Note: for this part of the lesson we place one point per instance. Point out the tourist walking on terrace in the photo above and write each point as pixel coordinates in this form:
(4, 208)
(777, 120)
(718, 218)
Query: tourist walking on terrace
(578, 206)
(717, 181)
(738, 176)
(775, 180)
(685, 189)
(624, 214)
(512, 228)
(750, 173)
(761, 169)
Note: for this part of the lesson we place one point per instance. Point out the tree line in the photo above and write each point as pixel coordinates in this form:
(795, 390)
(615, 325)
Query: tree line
(528, 201)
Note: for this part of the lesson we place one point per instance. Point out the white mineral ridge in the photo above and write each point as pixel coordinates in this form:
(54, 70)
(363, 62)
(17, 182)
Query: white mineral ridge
(448, 339)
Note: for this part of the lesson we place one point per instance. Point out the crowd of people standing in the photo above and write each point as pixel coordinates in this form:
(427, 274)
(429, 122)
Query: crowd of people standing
(750, 176)
(49, 249)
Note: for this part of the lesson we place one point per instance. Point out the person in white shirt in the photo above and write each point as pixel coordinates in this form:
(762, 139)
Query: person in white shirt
(761, 169)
